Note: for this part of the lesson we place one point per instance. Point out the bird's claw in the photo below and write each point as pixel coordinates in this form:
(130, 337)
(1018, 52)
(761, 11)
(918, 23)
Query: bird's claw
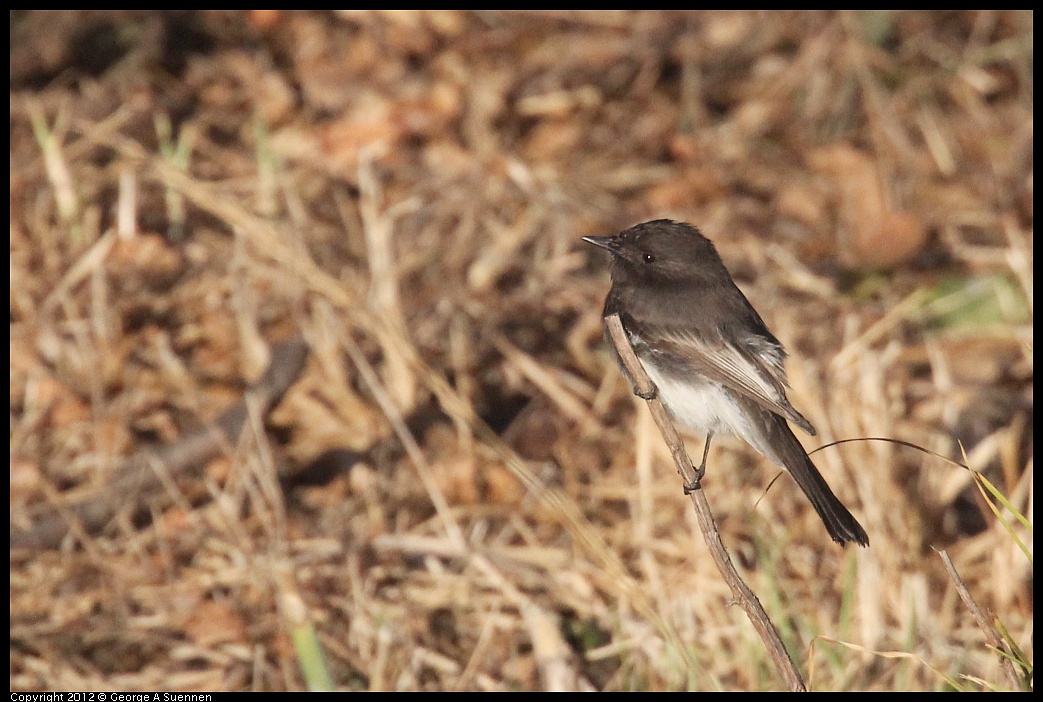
(696, 483)
(650, 395)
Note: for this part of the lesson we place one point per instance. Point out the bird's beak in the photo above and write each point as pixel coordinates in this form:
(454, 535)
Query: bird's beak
(609, 243)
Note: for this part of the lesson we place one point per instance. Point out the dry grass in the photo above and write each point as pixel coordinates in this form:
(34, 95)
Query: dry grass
(460, 491)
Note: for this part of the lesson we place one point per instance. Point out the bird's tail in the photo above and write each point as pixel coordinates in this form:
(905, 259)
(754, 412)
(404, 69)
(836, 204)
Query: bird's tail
(840, 523)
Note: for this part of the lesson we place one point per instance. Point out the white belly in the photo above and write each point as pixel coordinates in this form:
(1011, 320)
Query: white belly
(700, 405)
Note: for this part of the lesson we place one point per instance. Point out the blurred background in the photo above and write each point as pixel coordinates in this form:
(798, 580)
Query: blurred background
(457, 489)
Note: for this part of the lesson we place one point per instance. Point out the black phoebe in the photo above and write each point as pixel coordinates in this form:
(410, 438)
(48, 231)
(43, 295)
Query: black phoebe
(715, 365)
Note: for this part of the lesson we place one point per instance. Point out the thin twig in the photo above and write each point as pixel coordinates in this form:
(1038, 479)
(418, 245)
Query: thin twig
(984, 623)
(740, 590)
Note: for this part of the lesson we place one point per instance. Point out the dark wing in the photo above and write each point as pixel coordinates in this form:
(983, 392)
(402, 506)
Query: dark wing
(755, 372)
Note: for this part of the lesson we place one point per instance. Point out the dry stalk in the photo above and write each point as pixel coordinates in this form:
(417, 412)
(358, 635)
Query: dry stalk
(985, 623)
(740, 590)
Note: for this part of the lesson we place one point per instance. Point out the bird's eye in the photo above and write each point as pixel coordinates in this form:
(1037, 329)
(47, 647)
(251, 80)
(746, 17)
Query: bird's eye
(649, 258)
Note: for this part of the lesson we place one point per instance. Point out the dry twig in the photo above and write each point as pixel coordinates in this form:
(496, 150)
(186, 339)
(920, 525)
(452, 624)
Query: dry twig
(742, 592)
(985, 624)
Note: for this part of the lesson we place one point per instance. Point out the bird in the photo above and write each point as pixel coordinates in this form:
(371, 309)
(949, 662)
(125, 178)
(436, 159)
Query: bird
(716, 366)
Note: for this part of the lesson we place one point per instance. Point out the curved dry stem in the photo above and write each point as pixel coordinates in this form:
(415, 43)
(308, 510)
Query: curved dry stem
(740, 590)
